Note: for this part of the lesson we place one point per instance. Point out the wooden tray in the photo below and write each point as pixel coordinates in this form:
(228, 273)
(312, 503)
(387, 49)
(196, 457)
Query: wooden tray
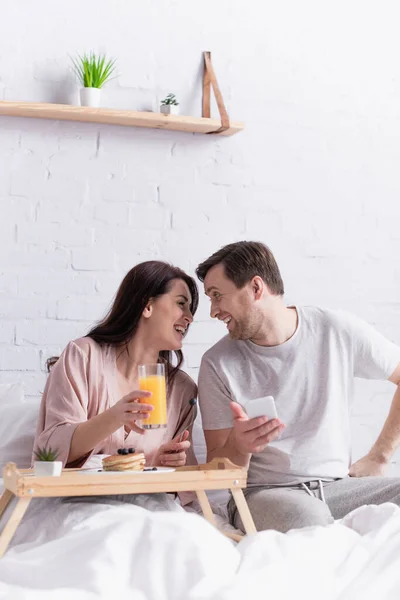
(218, 474)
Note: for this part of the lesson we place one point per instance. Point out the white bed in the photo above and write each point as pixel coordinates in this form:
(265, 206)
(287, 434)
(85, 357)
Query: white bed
(82, 550)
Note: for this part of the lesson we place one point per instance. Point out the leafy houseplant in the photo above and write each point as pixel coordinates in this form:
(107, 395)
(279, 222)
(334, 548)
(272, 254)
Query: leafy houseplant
(93, 71)
(170, 105)
(46, 462)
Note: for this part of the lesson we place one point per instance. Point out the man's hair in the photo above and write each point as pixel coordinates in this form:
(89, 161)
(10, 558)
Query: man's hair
(244, 260)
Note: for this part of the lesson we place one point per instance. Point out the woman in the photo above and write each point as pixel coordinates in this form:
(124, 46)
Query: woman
(91, 403)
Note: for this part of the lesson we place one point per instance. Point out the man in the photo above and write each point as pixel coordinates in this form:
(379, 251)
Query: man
(306, 358)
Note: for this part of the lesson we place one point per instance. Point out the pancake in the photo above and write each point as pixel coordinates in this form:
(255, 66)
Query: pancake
(124, 462)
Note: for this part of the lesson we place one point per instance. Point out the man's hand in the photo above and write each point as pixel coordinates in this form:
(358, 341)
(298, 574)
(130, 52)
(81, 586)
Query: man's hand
(252, 435)
(368, 466)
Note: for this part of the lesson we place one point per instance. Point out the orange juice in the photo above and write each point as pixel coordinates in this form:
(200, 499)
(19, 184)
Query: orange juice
(152, 379)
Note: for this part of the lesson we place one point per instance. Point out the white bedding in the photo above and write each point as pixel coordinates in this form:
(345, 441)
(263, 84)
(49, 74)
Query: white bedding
(81, 550)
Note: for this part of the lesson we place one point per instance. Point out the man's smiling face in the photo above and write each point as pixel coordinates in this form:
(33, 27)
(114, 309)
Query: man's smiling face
(236, 307)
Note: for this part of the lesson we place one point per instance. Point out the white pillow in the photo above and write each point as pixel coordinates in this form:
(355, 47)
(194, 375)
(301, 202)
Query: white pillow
(18, 418)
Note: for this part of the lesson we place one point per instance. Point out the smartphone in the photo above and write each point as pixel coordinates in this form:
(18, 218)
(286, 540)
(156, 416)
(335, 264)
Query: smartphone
(262, 407)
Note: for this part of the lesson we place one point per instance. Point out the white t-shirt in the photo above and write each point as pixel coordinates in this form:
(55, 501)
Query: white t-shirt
(311, 377)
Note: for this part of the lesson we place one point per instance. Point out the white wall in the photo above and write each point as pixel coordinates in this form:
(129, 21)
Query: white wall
(314, 174)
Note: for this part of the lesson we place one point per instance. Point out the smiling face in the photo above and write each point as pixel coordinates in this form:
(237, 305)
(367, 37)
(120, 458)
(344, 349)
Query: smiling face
(168, 316)
(236, 307)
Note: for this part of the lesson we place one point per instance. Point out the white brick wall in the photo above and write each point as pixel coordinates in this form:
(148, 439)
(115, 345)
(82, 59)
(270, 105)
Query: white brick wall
(314, 174)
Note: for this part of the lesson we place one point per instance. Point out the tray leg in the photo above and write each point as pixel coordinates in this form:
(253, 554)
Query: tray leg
(243, 511)
(209, 515)
(205, 507)
(232, 536)
(13, 522)
(5, 500)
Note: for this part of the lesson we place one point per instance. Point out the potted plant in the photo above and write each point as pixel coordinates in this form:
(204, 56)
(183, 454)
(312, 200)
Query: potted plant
(170, 105)
(93, 72)
(46, 463)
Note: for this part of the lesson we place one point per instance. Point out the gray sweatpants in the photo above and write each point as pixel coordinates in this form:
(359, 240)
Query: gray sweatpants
(284, 508)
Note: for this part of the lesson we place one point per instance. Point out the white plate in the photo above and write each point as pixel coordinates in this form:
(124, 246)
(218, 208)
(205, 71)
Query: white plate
(150, 472)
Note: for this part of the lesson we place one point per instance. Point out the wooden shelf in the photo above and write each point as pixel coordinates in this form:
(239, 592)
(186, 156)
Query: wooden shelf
(131, 118)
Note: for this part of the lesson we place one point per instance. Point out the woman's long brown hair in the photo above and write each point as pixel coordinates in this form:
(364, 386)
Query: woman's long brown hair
(146, 280)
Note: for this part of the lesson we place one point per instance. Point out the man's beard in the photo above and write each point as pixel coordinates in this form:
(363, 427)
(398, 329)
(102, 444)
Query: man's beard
(242, 330)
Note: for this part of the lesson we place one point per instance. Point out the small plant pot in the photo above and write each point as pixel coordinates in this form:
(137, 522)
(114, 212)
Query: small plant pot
(44, 468)
(90, 97)
(169, 109)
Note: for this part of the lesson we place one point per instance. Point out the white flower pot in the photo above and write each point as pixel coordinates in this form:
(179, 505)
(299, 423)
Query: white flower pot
(169, 109)
(45, 468)
(90, 97)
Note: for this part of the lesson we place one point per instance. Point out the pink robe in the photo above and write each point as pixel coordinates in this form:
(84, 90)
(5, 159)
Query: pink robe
(83, 383)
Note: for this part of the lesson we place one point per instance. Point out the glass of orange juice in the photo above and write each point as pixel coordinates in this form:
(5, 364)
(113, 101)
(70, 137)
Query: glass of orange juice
(152, 379)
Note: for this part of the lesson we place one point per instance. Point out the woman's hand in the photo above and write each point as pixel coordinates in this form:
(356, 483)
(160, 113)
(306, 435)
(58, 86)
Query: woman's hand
(173, 453)
(130, 409)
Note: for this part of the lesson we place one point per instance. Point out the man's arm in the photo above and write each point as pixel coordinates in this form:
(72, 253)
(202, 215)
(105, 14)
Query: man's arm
(377, 459)
(219, 444)
(228, 431)
(246, 436)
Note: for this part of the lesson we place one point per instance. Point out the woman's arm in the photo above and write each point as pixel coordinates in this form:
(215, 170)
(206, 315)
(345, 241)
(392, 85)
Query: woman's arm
(64, 402)
(125, 412)
(89, 434)
(63, 421)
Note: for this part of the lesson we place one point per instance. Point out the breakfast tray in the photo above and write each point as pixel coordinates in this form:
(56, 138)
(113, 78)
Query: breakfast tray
(219, 474)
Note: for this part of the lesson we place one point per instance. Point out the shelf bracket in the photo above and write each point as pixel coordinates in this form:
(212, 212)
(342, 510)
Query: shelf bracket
(209, 79)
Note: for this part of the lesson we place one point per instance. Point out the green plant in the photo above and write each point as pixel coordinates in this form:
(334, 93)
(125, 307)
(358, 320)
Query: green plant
(92, 70)
(46, 454)
(170, 99)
